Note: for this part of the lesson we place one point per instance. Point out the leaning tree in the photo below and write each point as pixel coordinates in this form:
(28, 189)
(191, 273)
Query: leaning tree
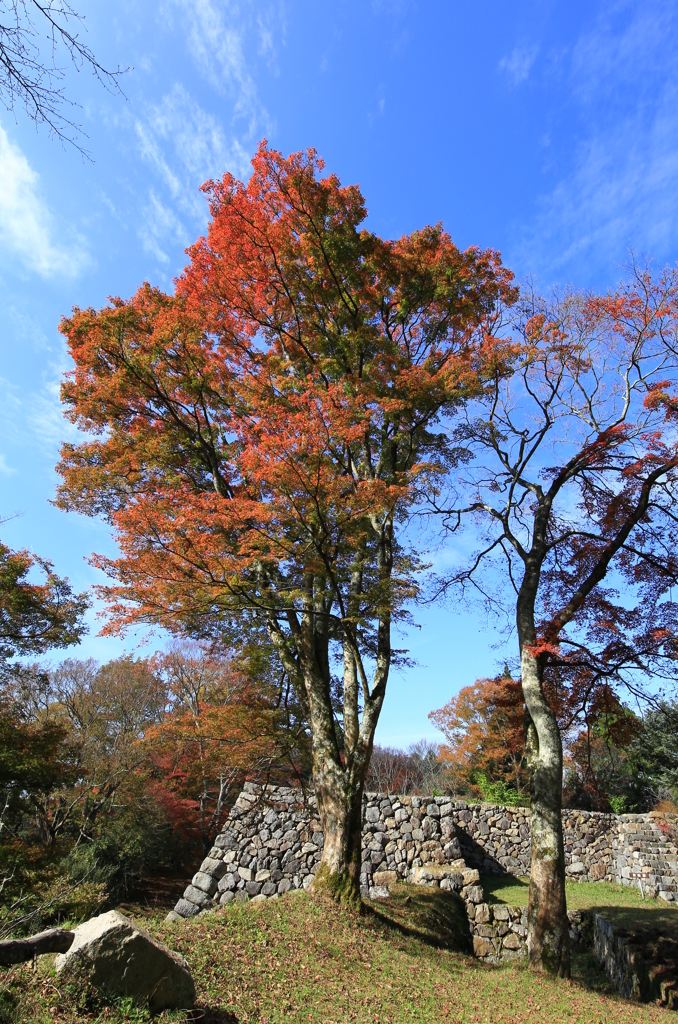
(262, 435)
(572, 487)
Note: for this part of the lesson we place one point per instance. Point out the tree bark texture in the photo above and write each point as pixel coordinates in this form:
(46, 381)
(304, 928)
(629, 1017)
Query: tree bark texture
(338, 783)
(548, 937)
(17, 951)
(340, 810)
(341, 756)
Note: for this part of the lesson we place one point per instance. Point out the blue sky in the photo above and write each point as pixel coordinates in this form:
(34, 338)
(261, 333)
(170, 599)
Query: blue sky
(546, 130)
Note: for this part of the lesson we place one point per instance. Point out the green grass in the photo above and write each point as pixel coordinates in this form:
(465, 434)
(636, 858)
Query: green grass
(580, 895)
(650, 925)
(621, 905)
(303, 958)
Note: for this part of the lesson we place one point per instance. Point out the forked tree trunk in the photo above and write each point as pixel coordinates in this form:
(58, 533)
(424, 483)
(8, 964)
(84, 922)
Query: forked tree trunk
(548, 937)
(338, 775)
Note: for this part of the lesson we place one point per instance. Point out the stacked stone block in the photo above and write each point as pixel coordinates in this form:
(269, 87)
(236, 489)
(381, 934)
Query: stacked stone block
(646, 854)
(589, 849)
(499, 932)
(272, 842)
(401, 834)
(497, 839)
(622, 963)
(266, 848)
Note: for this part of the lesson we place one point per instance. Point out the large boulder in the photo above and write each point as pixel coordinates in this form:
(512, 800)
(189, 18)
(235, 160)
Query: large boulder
(118, 958)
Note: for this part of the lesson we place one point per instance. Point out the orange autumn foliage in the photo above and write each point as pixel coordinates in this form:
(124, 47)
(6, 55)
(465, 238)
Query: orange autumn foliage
(225, 723)
(484, 729)
(257, 441)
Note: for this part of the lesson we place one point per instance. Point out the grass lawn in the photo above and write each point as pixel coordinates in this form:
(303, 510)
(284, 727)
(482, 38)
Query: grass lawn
(580, 895)
(651, 925)
(302, 958)
(621, 905)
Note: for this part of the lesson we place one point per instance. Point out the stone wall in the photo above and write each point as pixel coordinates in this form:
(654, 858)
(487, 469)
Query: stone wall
(630, 849)
(623, 963)
(272, 842)
(497, 839)
(641, 966)
(646, 853)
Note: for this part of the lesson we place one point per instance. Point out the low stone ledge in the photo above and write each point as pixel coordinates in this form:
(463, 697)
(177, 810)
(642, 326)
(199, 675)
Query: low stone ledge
(499, 932)
(623, 963)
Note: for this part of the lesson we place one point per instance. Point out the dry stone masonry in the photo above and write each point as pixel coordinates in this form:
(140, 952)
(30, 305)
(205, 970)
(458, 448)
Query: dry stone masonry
(622, 963)
(646, 854)
(272, 842)
(631, 849)
(497, 839)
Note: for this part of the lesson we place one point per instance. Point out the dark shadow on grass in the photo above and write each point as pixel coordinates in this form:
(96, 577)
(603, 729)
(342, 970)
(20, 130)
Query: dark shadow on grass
(153, 894)
(209, 1015)
(589, 973)
(433, 916)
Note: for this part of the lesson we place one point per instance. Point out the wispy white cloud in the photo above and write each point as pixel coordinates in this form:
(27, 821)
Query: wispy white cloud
(185, 145)
(623, 192)
(33, 418)
(265, 30)
(160, 225)
(626, 45)
(27, 227)
(621, 188)
(48, 422)
(10, 402)
(216, 35)
(518, 64)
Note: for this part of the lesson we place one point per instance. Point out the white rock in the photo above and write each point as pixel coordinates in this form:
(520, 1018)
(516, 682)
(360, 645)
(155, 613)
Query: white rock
(121, 960)
(379, 892)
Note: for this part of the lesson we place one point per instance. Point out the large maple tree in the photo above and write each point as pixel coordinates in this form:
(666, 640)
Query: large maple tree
(261, 437)
(572, 487)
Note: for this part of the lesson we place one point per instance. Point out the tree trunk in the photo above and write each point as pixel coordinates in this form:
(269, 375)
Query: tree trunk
(548, 936)
(340, 809)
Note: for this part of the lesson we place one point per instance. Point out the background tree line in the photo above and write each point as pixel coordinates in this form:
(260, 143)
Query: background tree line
(615, 759)
(111, 771)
